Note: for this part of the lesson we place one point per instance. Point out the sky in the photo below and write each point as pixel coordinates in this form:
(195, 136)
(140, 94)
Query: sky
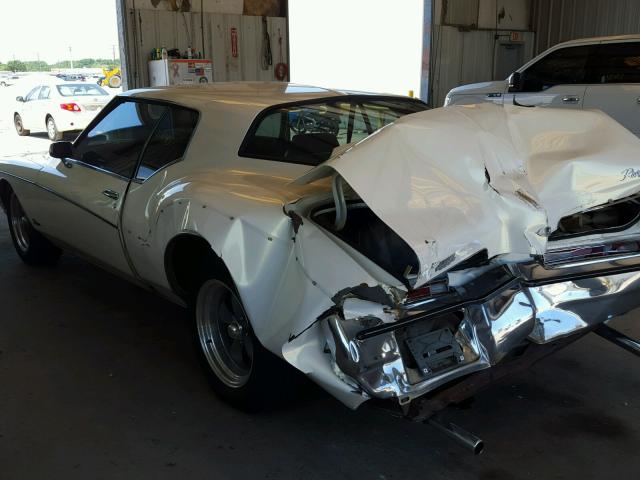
(369, 45)
(48, 28)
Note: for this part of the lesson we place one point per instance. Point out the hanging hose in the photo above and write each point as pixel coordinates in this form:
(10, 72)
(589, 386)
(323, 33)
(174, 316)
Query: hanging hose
(267, 57)
(340, 202)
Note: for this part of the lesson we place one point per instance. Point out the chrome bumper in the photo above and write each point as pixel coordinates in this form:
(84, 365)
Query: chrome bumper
(474, 337)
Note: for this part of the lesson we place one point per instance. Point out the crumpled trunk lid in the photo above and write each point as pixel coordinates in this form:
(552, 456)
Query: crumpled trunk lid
(454, 181)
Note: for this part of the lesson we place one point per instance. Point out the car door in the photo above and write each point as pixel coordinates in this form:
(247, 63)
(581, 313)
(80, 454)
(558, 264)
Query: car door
(87, 190)
(556, 80)
(39, 107)
(27, 111)
(615, 88)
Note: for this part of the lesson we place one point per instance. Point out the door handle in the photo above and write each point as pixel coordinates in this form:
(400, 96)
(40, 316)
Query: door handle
(571, 99)
(113, 195)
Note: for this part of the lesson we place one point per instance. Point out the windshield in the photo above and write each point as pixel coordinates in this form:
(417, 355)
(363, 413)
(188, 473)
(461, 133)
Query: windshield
(79, 90)
(309, 133)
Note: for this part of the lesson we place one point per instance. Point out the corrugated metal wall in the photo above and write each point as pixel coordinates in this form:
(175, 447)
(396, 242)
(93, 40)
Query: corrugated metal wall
(156, 28)
(557, 21)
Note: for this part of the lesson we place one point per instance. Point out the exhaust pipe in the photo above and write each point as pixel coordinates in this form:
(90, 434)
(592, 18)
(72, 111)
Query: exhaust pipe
(618, 338)
(466, 439)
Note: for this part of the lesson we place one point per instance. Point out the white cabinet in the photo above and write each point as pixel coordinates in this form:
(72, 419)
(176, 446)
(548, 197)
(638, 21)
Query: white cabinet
(180, 72)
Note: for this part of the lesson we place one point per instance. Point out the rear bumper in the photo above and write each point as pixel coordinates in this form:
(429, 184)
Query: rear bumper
(68, 121)
(423, 351)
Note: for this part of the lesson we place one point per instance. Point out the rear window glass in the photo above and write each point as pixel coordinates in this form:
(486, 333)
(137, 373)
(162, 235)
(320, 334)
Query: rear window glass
(80, 89)
(310, 133)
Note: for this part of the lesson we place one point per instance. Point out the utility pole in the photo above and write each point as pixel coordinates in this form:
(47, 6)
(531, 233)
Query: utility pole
(70, 58)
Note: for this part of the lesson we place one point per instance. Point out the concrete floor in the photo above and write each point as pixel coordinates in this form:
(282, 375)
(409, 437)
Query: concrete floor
(98, 380)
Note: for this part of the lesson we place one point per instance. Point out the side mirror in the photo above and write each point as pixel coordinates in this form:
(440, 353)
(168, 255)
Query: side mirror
(515, 82)
(60, 149)
(20, 98)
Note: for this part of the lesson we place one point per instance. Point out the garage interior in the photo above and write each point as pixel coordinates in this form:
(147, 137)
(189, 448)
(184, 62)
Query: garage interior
(99, 379)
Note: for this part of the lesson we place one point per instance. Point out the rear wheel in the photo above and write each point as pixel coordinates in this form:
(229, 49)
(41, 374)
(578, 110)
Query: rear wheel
(17, 121)
(52, 130)
(31, 246)
(240, 370)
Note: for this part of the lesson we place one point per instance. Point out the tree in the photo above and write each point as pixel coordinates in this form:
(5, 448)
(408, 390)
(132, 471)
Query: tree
(37, 66)
(16, 66)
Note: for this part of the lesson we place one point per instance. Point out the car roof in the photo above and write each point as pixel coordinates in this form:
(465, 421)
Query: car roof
(612, 38)
(247, 96)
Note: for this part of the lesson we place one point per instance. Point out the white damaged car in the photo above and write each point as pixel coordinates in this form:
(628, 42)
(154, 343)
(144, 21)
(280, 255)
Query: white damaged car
(386, 251)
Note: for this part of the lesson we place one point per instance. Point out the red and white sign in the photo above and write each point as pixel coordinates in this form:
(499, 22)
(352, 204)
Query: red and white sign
(515, 37)
(234, 42)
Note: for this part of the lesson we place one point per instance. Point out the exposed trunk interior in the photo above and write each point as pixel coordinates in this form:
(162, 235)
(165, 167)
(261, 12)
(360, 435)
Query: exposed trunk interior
(369, 235)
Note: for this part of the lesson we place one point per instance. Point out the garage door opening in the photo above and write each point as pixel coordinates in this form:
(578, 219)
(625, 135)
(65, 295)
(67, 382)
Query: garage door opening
(366, 45)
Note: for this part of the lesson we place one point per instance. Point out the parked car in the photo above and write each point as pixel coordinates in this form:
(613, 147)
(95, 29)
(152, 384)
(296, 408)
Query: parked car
(8, 80)
(58, 108)
(71, 77)
(601, 73)
(391, 253)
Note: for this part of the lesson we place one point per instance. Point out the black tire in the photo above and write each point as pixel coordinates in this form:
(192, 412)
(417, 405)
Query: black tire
(52, 130)
(33, 248)
(17, 122)
(253, 386)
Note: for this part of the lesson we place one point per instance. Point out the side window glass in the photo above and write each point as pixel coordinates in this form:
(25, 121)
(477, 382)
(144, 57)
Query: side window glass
(617, 63)
(115, 143)
(566, 66)
(32, 95)
(169, 141)
(44, 93)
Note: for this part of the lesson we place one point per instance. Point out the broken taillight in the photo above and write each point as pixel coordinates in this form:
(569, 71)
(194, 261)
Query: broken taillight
(429, 290)
(588, 252)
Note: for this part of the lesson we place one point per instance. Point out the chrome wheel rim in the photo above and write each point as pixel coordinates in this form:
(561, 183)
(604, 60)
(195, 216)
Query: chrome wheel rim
(20, 226)
(51, 128)
(224, 333)
(18, 122)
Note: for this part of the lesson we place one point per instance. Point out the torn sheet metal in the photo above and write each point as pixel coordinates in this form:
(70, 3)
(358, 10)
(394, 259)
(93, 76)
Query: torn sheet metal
(454, 181)
(414, 358)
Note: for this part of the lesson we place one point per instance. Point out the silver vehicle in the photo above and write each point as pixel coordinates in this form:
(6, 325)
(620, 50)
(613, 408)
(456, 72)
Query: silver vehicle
(593, 73)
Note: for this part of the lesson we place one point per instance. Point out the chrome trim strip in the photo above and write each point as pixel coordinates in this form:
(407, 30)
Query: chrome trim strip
(594, 261)
(80, 163)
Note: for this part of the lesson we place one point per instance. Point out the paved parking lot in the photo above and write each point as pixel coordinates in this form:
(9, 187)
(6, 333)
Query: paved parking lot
(98, 379)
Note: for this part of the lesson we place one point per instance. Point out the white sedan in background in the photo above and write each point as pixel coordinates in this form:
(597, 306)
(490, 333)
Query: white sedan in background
(58, 108)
